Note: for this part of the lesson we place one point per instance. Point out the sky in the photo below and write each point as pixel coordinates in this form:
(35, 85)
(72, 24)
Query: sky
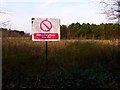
(19, 13)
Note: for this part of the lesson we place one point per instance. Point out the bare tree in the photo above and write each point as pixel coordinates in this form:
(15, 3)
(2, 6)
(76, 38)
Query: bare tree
(111, 9)
(2, 12)
(5, 24)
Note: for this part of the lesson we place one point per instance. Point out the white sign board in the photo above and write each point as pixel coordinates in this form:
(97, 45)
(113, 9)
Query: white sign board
(45, 29)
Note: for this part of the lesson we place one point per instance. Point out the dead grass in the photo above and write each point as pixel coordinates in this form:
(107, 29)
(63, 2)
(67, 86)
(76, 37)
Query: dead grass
(70, 64)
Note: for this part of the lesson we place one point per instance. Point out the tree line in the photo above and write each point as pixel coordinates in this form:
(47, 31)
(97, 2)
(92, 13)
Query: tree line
(90, 31)
(13, 33)
(77, 31)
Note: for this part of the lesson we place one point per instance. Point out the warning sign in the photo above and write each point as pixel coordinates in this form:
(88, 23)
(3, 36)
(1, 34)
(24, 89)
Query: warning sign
(45, 29)
(46, 25)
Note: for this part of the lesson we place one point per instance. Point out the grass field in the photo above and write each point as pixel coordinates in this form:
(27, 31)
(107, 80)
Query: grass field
(71, 64)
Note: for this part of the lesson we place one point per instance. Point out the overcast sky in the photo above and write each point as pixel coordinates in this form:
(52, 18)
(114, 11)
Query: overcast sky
(19, 13)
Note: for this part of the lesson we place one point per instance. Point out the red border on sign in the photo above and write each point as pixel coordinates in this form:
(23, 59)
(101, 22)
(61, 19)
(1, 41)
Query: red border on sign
(48, 28)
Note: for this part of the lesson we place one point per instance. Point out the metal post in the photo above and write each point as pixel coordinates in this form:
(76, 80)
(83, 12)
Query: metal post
(46, 57)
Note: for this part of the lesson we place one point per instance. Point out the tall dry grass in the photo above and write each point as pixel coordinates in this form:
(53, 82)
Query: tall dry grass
(70, 64)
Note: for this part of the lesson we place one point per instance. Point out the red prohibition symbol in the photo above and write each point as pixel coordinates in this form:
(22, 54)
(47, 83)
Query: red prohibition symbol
(45, 25)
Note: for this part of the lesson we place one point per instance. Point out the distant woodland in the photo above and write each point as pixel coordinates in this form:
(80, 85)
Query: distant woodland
(13, 33)
(90, 31)
(77, 31)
